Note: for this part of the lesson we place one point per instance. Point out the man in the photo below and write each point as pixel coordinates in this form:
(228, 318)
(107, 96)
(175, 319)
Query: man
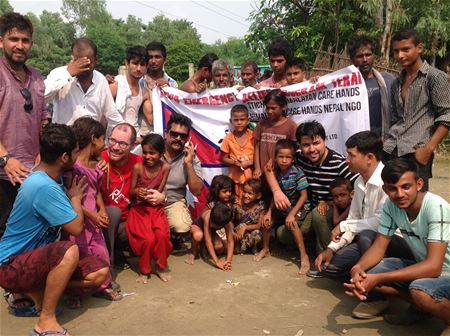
(420, 106)
(202, 77)
(126, 91)
(249, 73)
(22, 109)
(424, 220)
(185, 170)
(361, 51)
(279, 52)
(78, 90)
(222, 74)
(32, 261)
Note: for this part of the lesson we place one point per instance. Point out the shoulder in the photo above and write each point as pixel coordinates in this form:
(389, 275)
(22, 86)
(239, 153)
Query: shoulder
(134, 158)
(165, 166)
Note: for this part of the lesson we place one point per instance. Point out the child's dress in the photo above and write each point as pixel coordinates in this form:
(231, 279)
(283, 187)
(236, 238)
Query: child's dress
(251, 239)
(147, 227)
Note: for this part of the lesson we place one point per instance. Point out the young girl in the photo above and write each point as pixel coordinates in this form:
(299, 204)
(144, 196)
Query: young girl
(91, 138)
(222, 190)
(147, 226)
(271, 129)
(247, 234)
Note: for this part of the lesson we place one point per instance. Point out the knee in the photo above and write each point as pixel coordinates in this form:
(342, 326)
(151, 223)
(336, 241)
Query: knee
(72, 255)
(100, 276)
(197, 236)
(421, 299)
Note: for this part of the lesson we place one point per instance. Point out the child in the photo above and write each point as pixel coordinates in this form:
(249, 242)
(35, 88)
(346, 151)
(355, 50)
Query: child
(147, 226)
(238, 149)
(295, 71)
(268, 131)
(341, 190)
(222, 190)
(247, 217)
(91, 138)
(293, 184)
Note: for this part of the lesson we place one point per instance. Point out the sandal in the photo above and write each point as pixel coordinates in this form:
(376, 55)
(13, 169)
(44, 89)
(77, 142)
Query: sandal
(109, 294)
(31, 311)
(50, 332)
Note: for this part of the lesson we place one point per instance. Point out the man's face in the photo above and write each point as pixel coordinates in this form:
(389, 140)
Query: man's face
(278, 64)
(119, 145)
(357, 161)
(71, 159)
(176, 137)
(16, 45)
(221, 78)
(363, 60)
(136, 68)
(406, 53)
(404, 193)
(89, 54)
(295, 75)
(156, 60)
(313, 148)
(248, 76)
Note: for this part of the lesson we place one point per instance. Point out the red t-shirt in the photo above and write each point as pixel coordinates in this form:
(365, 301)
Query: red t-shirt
(116, 183)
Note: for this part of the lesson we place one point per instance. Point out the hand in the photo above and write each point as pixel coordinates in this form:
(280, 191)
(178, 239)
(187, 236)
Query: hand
(354, 287)
(100, 221)
(325, 257)
(221, 265)
(336, 233)
(102, 164)
(78, 188)
(16, 171)
(269, 166)
(141, 193)
(161, 82)
(256, 86)
(322, 208)
(362, 288)
(423, 155)
(77, 66)
(104, 218)
(266, 220)
(201, 87)
(314, 79)
(189, 153)
(280, 200)
(154, 197)
(246, 163)
(228, 265)
(257, 174)
(241, 231)
(110, 79)
(290, 222)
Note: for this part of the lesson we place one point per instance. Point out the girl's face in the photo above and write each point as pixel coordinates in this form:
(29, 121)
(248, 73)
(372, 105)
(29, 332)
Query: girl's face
(249, 196)
(98, 144)
(150, 155)
(274, 110)
(225, 195)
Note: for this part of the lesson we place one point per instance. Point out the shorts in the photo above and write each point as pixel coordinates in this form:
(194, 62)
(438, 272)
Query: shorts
(179, 217)
(27, 272)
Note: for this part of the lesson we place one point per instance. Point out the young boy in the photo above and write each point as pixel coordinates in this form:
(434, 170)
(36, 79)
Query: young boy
(293, 184)
(295, 71)
(238, 149)
(342, 192)
(279, 52)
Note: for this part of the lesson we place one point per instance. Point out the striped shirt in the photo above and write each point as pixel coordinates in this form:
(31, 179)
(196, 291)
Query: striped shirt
(292, 183)
(427, 105)
(320, 177)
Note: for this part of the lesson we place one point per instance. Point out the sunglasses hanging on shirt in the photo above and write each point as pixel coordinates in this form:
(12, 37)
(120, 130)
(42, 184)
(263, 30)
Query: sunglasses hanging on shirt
(28, 106)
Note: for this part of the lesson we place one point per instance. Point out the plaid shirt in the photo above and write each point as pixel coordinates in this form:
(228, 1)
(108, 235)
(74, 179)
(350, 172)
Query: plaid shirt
(427, 105)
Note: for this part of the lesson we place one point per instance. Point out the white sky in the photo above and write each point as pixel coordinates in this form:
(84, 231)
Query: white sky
(213, 19)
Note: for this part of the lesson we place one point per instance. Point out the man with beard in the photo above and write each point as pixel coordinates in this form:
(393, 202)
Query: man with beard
(22, 109)
(77, 90)
(249, 74)
(222, 74)
(361, 51)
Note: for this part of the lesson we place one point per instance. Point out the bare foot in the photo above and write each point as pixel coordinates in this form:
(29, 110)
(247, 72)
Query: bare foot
(163, 274)
(304, 267)
(261, 255)
(190, 259)
(142, 278)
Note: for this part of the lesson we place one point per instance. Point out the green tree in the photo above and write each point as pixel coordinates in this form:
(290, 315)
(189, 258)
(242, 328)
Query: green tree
(83, 13)
(5, 7)
(236, 51)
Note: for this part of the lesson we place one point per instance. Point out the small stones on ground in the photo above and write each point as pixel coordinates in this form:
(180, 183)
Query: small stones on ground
(266, 332)
(299, 333)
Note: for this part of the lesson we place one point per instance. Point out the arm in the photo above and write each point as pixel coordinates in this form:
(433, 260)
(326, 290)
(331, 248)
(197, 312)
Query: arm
(280, 200)
(195, 182)
(104, 219)
(14, 169)
(208, 239)
(423, 154)
(290, 219)
(113, 87)
(189, 86)
(227, 160)
(230, 243)
(337, 218)
(109, 108)
(257, 171)
(75, 194)
(147, 108)
(135, 192)
(166, 171)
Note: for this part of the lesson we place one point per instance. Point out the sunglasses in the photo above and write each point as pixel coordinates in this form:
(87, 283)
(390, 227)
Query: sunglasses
(28, 106)
(183, 136)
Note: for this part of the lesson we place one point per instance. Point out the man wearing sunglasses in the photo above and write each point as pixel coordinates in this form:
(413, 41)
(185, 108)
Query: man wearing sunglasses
(22, 109)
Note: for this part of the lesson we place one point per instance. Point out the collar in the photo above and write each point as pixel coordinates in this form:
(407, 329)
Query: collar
(14, 73)
(376, 179)
(424, 69)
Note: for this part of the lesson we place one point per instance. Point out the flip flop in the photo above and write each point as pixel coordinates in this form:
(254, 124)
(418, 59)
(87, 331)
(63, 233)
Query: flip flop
(31, 311)
(50, 332)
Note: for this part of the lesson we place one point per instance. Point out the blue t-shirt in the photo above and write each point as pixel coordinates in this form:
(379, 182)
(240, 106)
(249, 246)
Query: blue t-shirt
(41, 207)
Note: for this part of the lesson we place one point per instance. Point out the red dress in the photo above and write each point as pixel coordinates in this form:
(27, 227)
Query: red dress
(148, 229)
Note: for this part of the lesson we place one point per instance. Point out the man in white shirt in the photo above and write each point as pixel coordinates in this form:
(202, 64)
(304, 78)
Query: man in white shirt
(352, 237)
(77, 90)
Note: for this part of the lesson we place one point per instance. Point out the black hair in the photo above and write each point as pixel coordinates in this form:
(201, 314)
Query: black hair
(155, 45)
(137, 53)
(239, 108)
(366, 142)
(394, 170)
(285, 144)
(11, 20)
(276, 95)
(154, 140)
(86, 127)
(55, 140)
(221, 214)
(251, 64)
(280, 47)
(310, 129)
(179, 119)
(405, 34)
(256, 185)
(207, 60)
(296, 62)
(359, 42)
(83, 43)
(341, 181)
(218, 183)
(126, 126)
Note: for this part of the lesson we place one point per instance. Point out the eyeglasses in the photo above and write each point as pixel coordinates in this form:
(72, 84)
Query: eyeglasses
(183, 136)
(122, 144)
(28, 106)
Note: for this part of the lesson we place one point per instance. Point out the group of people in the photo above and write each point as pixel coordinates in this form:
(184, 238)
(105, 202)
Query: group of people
(69, 206)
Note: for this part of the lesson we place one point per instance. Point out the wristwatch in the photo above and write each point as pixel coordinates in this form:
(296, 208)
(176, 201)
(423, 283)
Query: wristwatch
(3, 160)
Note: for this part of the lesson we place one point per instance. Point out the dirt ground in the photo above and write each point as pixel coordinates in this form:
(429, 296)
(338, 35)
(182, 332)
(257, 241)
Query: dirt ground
(265, 298)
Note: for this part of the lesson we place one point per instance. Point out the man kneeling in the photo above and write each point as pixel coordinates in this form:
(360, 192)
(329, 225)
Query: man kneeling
(32, 262)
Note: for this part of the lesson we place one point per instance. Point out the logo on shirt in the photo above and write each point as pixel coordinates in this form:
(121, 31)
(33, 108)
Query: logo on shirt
(118, 197)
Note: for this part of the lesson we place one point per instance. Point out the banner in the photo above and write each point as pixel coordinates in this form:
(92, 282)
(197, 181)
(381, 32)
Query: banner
(338, 101)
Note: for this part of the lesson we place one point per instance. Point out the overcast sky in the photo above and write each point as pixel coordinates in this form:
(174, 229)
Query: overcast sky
(214, 20)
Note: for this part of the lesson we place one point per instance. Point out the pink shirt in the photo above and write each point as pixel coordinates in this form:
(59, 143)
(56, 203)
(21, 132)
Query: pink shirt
(19, 129)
